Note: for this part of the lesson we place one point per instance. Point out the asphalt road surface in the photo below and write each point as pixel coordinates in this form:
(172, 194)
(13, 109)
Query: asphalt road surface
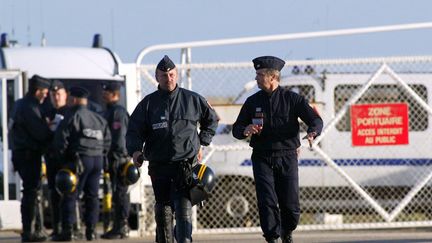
(367, 236)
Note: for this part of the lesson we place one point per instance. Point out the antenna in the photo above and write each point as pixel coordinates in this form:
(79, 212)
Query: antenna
(112, 29)
(42, 23)
(13, 20)
(4, 41)
(97, 41)
(28, 25)
(43, 39)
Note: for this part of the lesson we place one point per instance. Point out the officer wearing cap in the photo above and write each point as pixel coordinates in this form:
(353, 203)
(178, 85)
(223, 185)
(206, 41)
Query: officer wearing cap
(270, 118)
(56, 114)
(165, 122)
(30, 136)
(117, 118)
(82, 139)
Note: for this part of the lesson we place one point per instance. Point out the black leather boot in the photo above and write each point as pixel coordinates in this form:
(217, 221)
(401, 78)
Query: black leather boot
(90, 232)
(273, 241)
(65, 235)
(119, 231)
(77, 232)
(56, 229)
(32, 237)
(28, 217)
(54, 199)
(287, 238)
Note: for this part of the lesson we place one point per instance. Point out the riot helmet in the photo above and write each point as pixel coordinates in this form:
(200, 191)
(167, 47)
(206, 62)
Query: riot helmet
(205, 181)
(129, 173)
(65, 181)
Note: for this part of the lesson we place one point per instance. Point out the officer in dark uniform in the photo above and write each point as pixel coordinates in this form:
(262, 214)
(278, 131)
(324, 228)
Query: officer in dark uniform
(165, 122)
(270, 116)
(83, 139)
(58, 95)
(117, 118)
(30, 136)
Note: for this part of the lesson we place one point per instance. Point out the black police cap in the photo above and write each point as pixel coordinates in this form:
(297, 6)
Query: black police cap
(40, 82)
(166, 64)
(56, 85)
(268, 62)
(79, 92)
(111, 86)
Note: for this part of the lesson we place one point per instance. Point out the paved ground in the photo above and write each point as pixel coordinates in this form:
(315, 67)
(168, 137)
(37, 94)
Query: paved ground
(367, 236)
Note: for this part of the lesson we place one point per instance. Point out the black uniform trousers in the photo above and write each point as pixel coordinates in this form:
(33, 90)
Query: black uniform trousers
(28, 164)
(52, 167)
(276, 182)
(170, 193)
(120, 195)
(88, 182)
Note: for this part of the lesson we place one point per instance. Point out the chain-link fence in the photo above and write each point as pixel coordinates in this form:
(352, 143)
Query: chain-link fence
(371, 166)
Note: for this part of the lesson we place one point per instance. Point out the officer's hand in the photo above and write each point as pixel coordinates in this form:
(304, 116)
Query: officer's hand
(310, 137)
(105, 164)
(138, 158)
(252, 129)
(200, 154)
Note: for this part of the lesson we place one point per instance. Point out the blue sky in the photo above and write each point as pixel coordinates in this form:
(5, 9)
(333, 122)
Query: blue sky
(130, 25)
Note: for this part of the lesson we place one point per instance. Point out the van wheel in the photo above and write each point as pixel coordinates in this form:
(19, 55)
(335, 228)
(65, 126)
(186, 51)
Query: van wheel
(233, 204)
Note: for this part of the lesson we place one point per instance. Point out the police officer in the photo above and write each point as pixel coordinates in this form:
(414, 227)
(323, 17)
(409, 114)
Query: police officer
(270, 117)
(117, 118)
(30, 136)
(166, 121)
(83, 138)
(58, 95)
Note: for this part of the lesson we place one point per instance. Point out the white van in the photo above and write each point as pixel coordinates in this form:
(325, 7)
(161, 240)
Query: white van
(89, 67)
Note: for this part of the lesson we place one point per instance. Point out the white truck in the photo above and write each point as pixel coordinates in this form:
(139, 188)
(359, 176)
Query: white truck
(389, 174)
(89, 67)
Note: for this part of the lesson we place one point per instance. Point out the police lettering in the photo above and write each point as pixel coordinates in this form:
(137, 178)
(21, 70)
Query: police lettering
(90, 133)
(159, 125)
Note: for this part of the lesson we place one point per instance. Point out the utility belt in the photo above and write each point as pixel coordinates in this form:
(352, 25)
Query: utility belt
(185, 176)
(166, 167)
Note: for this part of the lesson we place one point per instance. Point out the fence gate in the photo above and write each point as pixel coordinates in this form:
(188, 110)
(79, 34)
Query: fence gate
(370, 168)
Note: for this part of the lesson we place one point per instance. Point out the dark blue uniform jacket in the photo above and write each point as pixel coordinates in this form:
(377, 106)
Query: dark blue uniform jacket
(118, 119)
(29, 128)
(84, 132)
(281, 111)
(167, 123)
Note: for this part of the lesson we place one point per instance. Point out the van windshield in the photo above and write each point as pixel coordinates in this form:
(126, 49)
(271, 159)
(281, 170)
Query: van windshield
(95, 87)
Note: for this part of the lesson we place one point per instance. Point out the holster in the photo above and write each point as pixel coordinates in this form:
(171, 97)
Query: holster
(185, 178)
(74, 163)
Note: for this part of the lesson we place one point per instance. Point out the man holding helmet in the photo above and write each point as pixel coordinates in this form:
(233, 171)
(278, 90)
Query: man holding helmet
(165, 122)
(117, 118)
(83, 138)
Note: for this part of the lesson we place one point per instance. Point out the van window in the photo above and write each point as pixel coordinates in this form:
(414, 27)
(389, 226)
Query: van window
(9, 100)
(95, 88)
(383, 93)
(308, 91)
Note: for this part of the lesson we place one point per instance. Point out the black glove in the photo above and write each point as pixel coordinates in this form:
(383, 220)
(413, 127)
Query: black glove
(105, 164)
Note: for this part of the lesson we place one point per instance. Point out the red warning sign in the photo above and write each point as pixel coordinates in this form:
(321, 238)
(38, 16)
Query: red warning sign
(379, 124)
